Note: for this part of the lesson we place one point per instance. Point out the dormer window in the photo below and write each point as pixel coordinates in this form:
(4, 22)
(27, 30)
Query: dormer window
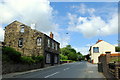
(39, 41)
(22, 29)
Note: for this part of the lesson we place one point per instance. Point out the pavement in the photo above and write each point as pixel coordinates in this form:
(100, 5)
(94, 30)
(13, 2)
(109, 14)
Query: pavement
(70, 70)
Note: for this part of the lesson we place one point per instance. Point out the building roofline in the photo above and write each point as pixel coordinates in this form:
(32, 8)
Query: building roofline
(31, 29)
(51, 38)
(102, 41)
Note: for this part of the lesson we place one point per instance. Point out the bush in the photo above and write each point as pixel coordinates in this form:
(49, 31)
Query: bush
(27, 60)
(5, 58)
(7, 50)
(11, 53)
(38, 58)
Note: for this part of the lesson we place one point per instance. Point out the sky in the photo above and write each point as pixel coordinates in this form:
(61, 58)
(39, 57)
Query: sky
(79, 24)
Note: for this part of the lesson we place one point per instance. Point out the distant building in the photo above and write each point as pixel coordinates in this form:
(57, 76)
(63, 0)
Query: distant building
(101, 47)
(31, 42)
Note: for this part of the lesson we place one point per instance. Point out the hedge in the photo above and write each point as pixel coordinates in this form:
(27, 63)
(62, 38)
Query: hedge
(11, 53)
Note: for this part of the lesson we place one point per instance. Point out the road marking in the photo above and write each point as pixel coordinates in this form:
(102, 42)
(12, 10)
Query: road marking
(51, 74)
(90, 71)
(66, 69)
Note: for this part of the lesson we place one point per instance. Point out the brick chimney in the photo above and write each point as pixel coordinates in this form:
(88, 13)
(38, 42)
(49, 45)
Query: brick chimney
(51, 35)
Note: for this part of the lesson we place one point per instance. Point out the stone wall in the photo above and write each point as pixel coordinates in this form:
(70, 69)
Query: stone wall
(105, 60)
(29, 48)
(11, 68)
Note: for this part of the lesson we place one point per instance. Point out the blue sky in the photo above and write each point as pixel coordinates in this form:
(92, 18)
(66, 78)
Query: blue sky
(104, 10)
(79, 24)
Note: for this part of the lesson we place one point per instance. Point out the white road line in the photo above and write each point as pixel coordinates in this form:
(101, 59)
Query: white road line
(51, 74)
(66, 69)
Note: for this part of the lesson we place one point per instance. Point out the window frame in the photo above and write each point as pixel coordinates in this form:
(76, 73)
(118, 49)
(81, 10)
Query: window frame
(48, 58)
(53, 45)
(40, 41)
(95, 50)
(19, 43)
(22, 30)
(56, 59)
(56, 46)
(48, 43)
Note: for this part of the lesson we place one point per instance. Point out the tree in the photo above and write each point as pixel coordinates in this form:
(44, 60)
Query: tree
(62, 57)
(87, 57)
(64, 51)
(72, 56)
(117, 49)
(70, 53)
(80, 56)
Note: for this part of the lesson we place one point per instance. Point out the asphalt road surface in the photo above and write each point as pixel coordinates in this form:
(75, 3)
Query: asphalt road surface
(70, 70)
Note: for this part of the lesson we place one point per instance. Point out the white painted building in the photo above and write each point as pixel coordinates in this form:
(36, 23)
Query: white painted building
(101, 47)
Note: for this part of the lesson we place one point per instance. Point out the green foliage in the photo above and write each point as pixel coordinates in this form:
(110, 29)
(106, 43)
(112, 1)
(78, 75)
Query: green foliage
(5, 58)
(65, 60)
(64, 51)
(70, 53)
(31, 60)
(62, 57)
(27, 60)
(38, 58)
(115, 60)
(117, 49)
(11, 53)
(72, 56)
(80, 56)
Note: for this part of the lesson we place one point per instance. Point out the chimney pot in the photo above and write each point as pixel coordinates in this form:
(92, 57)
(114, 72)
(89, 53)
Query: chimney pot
(51, 35)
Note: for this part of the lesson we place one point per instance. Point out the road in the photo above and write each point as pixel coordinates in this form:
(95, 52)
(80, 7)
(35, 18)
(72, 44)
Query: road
(72, 70)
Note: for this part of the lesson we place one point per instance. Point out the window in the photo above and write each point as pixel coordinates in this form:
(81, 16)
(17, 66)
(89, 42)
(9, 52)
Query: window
(55, 59)
(47, 58)
(22, 29)
(39, 40)
(52, 45)
(56, 46)
(20, 42)
(48, 42)
(95, 49)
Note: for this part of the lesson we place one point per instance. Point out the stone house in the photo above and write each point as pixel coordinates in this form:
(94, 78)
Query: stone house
(101, 47)
(31, 42)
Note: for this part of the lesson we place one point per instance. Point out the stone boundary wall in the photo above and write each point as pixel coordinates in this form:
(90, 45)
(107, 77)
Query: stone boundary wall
(104, 61)
(11, 68)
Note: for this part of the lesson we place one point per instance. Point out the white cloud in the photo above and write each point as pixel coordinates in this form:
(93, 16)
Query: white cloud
(83, 50)
(93, 25)
(37, 12)
(82, 8)
(115, 44)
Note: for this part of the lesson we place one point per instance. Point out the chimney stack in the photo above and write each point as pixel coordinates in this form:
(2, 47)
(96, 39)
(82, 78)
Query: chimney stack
(51, 35)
